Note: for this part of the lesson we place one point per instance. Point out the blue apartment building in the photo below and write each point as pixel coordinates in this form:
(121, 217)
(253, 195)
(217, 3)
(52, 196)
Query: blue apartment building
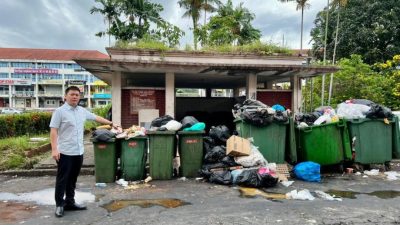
(37, 78)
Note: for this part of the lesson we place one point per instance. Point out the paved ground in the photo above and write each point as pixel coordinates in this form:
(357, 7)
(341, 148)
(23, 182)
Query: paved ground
(206, 203)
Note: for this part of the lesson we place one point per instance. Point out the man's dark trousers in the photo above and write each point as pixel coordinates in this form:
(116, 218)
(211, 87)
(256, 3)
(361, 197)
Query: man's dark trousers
(67, 174)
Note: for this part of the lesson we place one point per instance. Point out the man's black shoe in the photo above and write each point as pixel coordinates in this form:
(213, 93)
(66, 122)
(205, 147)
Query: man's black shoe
(72, 207)
(59, 211)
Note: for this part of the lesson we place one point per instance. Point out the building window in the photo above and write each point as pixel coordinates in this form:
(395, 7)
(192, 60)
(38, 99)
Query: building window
(3, 64)
(50, 77)
(72, 66)
(21, 76)
(3, 75)
(51, 65)
(22, 65)
(74, 77)
(228, 93)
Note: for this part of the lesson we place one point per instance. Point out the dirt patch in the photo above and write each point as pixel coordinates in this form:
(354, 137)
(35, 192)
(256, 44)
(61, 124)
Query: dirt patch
(39, 150)
(11, 212)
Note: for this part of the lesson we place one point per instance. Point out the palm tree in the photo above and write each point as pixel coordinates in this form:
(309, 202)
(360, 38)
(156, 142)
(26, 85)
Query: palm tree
(109, 10)
(193, 11)
(301, 4)
(339, 4)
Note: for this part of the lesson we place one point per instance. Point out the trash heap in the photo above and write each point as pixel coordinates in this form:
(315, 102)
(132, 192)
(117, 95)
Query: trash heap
(167, 123)
(233, 160)
(258, 113)
(363, 108)
(321, 115)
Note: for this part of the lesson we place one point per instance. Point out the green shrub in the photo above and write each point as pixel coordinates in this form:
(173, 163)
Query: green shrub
(23, 124)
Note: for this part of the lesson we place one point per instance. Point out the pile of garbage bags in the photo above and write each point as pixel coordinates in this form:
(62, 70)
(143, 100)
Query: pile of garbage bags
(167, 123)
(321, 115)
(362, 108)
(250, 171)
(259, 114)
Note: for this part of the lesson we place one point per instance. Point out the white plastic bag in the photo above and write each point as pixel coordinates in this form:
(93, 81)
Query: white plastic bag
(254, 159)
(352, 111)
(301, 195)
(173, 125)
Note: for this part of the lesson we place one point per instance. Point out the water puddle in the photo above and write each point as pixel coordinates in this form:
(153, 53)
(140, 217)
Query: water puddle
(144, 203)
(44, 197)
(10, 212)
(352, 194)
(253, 192)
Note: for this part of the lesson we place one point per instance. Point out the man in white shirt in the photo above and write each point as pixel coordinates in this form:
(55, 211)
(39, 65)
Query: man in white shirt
(66, 135)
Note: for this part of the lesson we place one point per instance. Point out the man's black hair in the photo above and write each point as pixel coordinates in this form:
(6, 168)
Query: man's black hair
(72, 88)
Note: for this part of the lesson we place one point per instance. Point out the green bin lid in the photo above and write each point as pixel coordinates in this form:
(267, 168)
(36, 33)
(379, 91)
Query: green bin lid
(95, 141)
(161, 132)
(191, 132)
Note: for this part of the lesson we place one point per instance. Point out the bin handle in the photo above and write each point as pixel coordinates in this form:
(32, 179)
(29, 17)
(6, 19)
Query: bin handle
(307, 129)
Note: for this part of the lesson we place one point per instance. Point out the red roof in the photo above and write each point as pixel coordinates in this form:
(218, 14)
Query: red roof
(49, 54)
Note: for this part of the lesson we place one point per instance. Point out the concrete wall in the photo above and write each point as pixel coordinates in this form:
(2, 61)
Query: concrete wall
(128, 119)
(271, 98)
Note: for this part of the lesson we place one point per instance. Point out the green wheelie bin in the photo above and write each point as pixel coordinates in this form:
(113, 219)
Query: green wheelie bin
(133, 158)
(372, 140)
(396, 137)
(326, 144)
(162, 146)
(270, 139)
(190, 152)
(105, 161)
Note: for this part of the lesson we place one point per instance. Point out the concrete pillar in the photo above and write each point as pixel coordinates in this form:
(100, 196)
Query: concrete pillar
(251, 86)
(170, 94)
(36, 91)
(269, 85)
(295, 85)
(116, 97)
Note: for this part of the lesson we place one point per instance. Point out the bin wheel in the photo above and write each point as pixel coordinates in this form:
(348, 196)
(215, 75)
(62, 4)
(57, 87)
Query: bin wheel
(341, 168)
(387, 166)
(358, 167)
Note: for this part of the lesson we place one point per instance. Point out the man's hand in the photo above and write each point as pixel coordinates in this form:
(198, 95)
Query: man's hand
(55, 154)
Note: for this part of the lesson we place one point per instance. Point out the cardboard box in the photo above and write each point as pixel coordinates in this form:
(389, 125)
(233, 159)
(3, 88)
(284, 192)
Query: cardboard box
(237, 146)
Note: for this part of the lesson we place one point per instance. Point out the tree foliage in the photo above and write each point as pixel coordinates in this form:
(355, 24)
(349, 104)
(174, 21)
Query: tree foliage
(370, 29)
(193, 10)
(231, 25)
(355, 80)
(134, 19)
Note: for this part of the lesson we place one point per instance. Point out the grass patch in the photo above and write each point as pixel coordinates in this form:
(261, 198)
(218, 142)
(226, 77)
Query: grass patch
(12, 152)
(258, 47)
(100, 111)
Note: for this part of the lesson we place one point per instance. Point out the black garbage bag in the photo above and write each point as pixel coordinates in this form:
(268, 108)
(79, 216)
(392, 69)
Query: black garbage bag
(281, 117)
(188, 121)
(379, 112)
(103, 135)
(215, 155)
(208, 144)
(221, 177)
(162, 129)
(257, 118)
(309, 118)
(362, 102)
(220, 134)
(252, 102)
(205, 170)
(251, 178)
(229, 161)
(158, 122)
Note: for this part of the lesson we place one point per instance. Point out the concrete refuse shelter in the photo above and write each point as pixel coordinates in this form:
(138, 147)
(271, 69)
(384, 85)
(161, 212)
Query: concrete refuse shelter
(143, 79)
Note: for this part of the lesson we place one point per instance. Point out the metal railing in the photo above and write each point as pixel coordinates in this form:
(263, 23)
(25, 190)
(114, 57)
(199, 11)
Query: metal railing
(50, 93)
(24, 93)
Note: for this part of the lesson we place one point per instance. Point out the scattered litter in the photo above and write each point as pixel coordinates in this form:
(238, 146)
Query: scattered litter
(136, 186)
(122, 182)
(326, 196)
(148, 179)
(373, 172)
(358, 173)
(365, 176)
(287, 183)
(199, 178)
(392, 175)
(101, 185)
(301, 195)
(182, 179)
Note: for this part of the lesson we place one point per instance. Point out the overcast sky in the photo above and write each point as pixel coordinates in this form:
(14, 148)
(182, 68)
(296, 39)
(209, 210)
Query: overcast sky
(67, 24)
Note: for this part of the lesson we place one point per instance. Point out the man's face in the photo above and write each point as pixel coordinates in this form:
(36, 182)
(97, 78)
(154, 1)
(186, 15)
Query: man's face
(72, 97)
